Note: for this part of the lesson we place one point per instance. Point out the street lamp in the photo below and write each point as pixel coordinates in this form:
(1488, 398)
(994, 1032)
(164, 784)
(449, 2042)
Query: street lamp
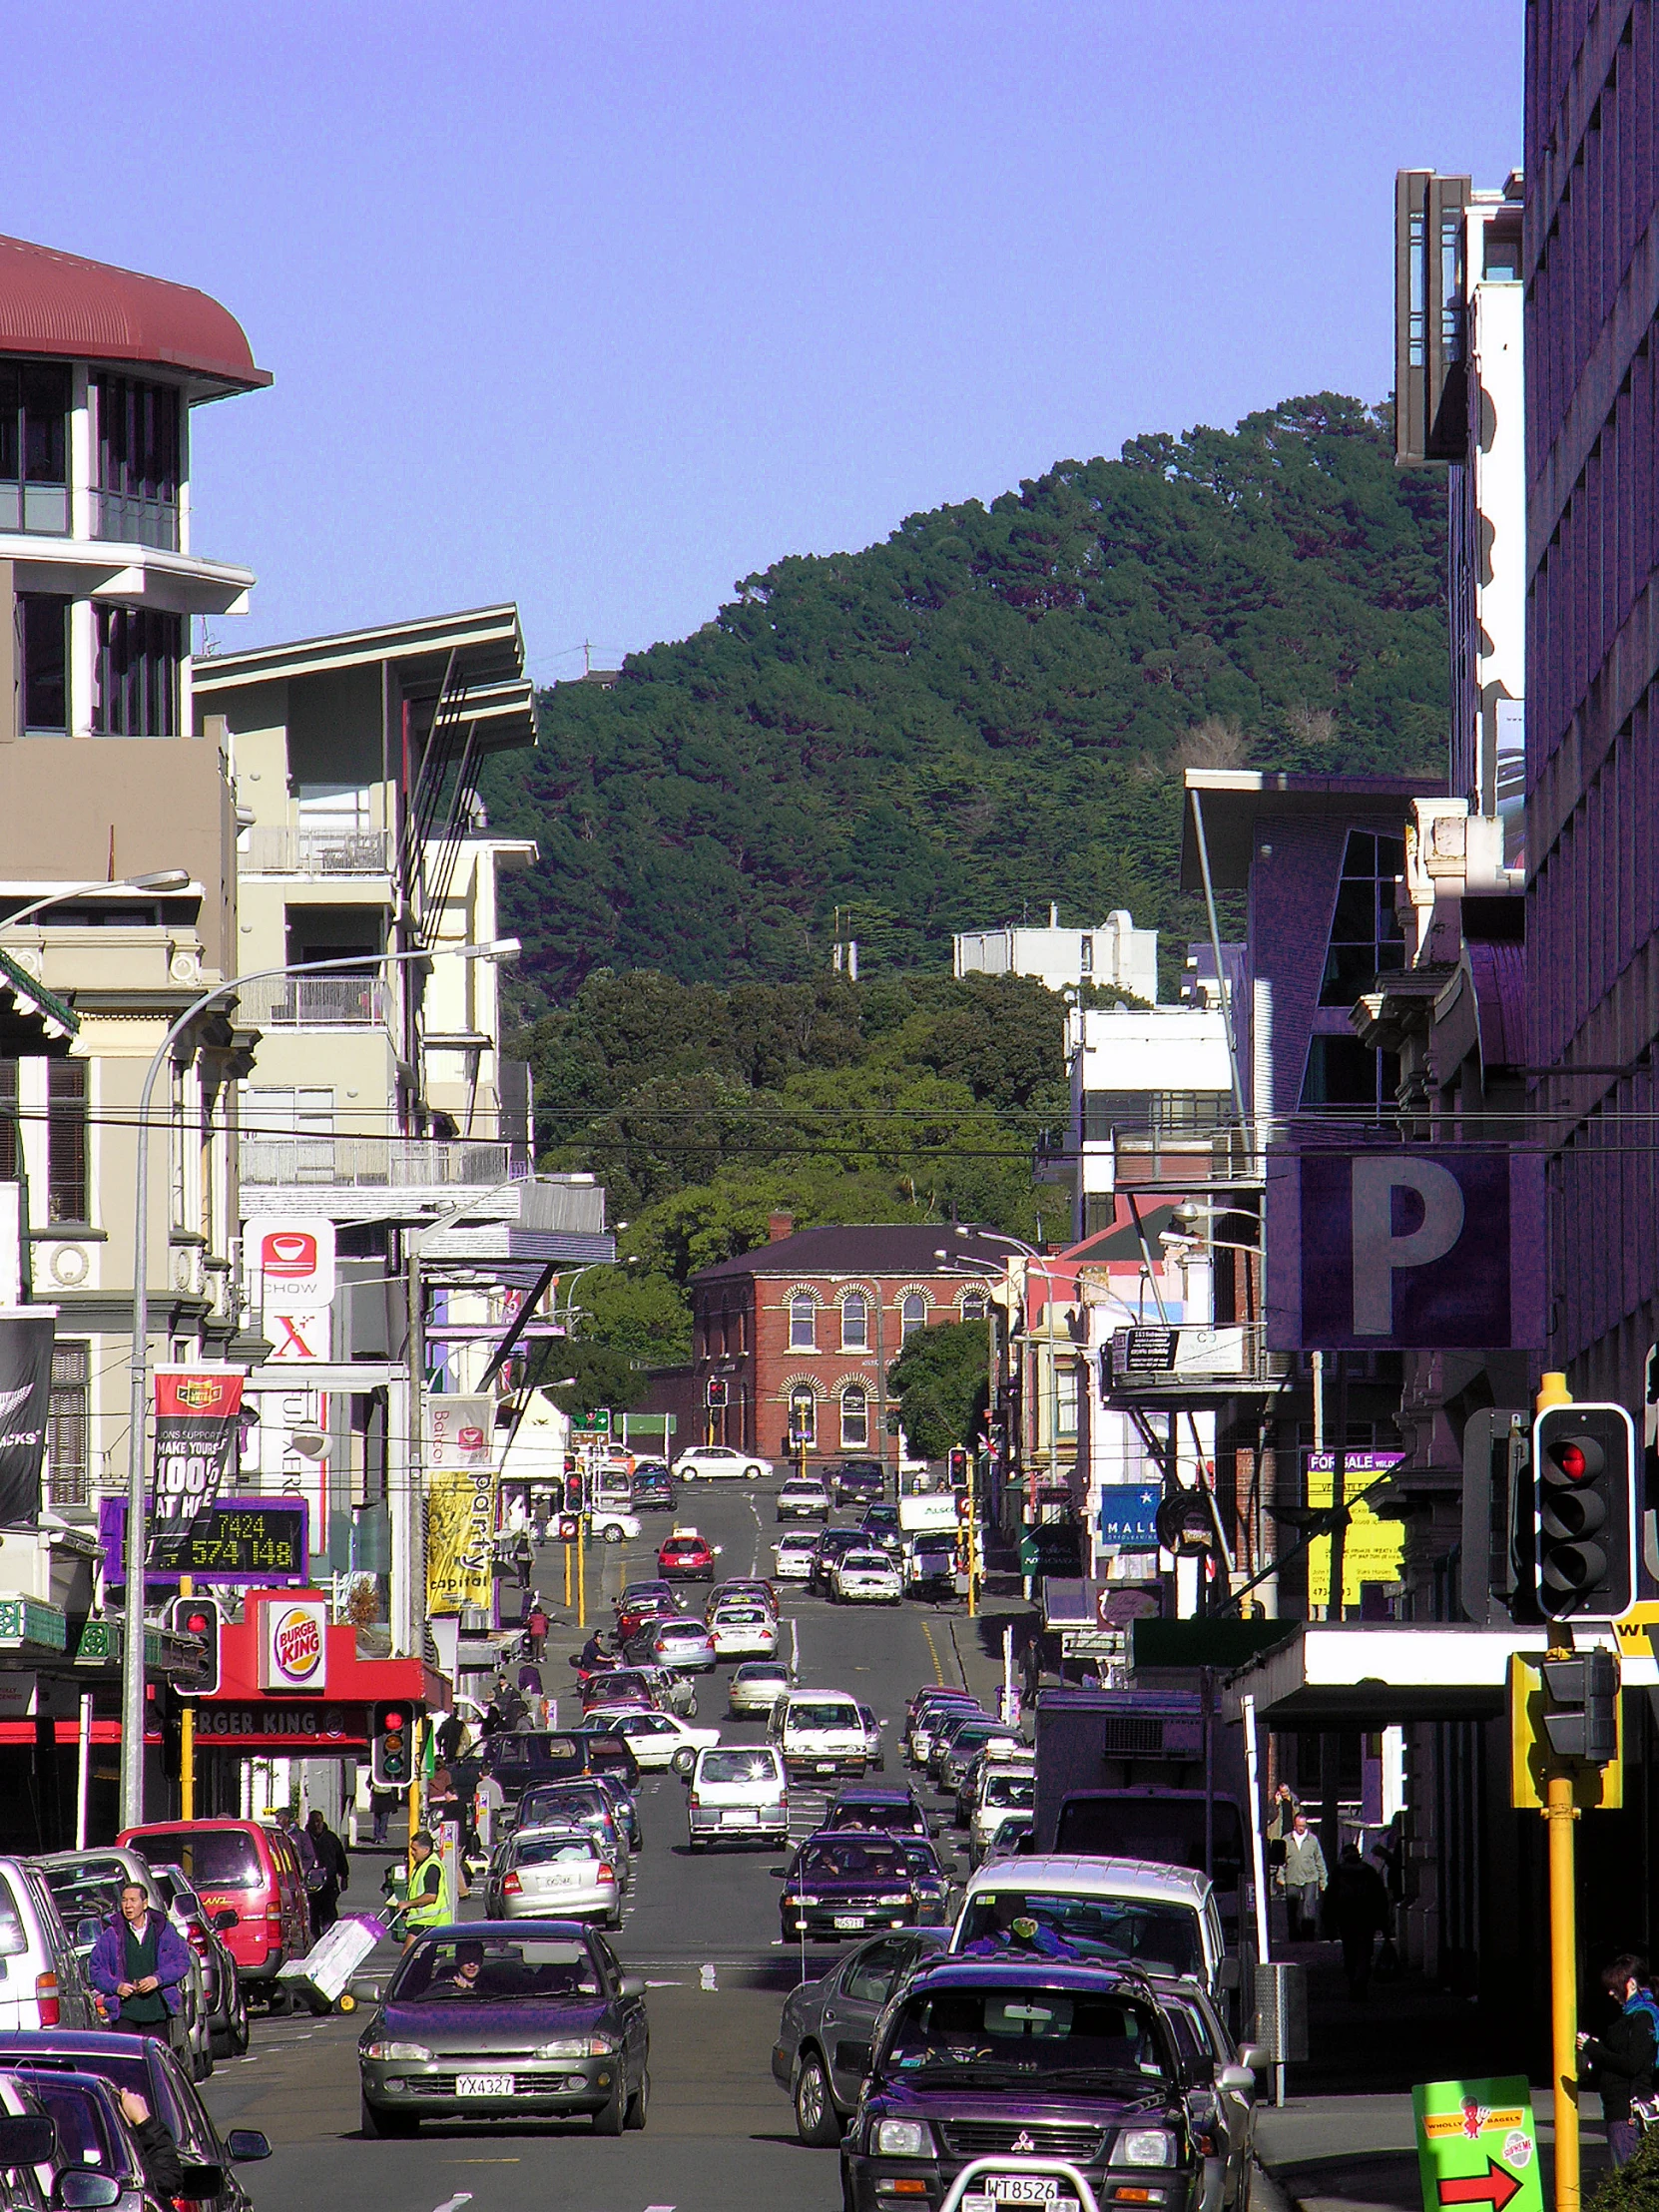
(138, 1531)
(162, 880)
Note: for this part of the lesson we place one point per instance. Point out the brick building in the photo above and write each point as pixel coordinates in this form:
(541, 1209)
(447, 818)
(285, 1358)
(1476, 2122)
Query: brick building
(825, 1311)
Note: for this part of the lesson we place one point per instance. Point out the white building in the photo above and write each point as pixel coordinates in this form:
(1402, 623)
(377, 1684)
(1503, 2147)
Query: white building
(1114, 952)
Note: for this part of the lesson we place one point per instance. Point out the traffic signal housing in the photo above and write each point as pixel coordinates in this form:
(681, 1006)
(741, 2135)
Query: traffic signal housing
(1584, 1512)
(1581, 1717)
(391, 1747)
(956, 1460)
(197, 1616)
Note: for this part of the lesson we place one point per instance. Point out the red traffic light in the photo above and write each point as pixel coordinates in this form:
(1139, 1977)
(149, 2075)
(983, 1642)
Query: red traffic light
(1576, 1463)
(197, 1623)
(393, 1723)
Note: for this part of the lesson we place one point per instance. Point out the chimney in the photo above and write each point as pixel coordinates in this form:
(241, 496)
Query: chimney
(780, 1226)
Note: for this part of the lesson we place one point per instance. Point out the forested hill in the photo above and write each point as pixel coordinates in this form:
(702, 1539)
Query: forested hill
(990, 709)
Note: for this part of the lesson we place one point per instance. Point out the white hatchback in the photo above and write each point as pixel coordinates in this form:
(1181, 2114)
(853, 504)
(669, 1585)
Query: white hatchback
(737, 1793)
(865, 1578)
(792, 1557)
(742, 1632)
(715, 1464)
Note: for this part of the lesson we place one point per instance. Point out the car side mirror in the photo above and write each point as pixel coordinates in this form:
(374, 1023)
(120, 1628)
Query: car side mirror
(1226, 1975)
(246, 2144)
(633, 1985)
(369, 1991)
(77, 2189)
(1237, 2082)
(227, 1918)
(1254, 2057)
(779, 1873)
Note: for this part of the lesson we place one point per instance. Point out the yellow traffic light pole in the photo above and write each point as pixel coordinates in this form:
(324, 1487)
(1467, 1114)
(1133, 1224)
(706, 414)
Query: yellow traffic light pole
(1560, 1812)
(187, 1736)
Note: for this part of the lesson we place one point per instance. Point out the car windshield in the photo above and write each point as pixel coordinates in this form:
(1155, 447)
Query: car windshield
(889, 1814)
(825, 1715)
(852, 1859)
(739, 1766)
(746, 1615)
(623, 1683)
(799, 1542)
(863, 1562)
(682, 1632)
(491, 1968)
(547, 1851)
(1162, 1939)
(761, 1670)
(921, 1860)
(1011, 1789)
(572, 1801)
(1009, 2034)
(213, 1858)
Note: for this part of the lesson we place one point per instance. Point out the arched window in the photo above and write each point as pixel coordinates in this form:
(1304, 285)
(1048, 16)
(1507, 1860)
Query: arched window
(855, 1321)
(912, 1316)
(803, 1324)
(974, 1306)
(854, 1418)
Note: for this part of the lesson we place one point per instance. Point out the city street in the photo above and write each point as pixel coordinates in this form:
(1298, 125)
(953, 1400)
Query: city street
(701, 1929)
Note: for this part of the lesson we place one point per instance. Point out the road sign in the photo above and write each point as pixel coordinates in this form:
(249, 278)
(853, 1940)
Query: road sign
(596, 1423)
(1128, 1513)
(1477, 2144)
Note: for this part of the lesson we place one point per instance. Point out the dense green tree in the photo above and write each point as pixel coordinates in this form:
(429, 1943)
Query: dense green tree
(939, 1383)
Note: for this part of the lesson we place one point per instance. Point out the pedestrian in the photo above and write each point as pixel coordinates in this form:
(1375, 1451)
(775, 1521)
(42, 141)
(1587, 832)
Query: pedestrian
(1283, 1813)
(383, 1804)
(331, 1857)
(524, 1557)
(451, 1738)
(139, 1963)
(529, 1680)
(537, 1625)
(1622, 2056)
(1360, 1908)
(1305, 1876)
(488, 1800)
(429, 1905)
(442, 1801)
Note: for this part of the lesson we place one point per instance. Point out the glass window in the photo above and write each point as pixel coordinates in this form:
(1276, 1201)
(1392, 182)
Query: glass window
(9, 1151)
(855, 1416)
(1085, 954)
(1365, 929)
(1065, 1400)
(803, 1324)
(135, 433)
(66, 1140)
(136, 672)
(1341, 1072)
(66, 1425)
(34, 446)
(912, 1316)
(42, 650)
(974, 1307)
(855, 1321)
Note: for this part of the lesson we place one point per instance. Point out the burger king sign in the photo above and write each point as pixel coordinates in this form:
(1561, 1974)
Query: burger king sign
(293, 1644)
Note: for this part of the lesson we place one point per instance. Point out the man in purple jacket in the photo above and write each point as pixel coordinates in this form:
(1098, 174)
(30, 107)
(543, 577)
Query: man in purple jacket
(139, 1962)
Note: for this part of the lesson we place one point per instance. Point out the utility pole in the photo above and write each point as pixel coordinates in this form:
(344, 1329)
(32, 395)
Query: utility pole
(1560, 1812)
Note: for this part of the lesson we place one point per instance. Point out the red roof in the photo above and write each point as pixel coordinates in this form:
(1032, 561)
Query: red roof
(58, 303)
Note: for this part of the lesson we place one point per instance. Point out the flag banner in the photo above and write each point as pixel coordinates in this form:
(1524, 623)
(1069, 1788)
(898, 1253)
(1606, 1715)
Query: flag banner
(461, 1534)
(25, 1398)
(460, 1432)
(198, 1442)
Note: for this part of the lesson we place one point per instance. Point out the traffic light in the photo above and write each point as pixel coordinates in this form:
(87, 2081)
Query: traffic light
(573, 1489)
(391, 1747)
(1581, 1718)
(197, 1616)
(1584, 1512)
(956, 1460)
(718, 1389)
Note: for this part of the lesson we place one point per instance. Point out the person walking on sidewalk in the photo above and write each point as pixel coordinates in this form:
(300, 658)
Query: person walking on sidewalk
(536, 1627)
(1360, 1906)
(1305, 1876)
(1621, 2057)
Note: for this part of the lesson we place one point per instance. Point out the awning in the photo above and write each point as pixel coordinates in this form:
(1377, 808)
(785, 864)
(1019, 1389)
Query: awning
(26, 999)
(1379, 1674)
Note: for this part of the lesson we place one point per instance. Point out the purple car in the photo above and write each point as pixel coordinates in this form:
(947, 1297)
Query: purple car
(504, 2019)
(1021, 2058)
(846, 1882)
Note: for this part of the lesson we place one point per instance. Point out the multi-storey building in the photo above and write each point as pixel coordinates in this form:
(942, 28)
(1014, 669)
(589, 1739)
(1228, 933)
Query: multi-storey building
(1114, 953)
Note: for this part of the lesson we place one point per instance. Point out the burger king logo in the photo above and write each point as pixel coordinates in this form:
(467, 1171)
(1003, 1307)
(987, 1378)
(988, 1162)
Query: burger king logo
(297, 1644)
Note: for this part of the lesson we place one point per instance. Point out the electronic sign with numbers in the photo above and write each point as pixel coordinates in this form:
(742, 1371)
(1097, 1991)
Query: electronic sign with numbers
(244, 1541)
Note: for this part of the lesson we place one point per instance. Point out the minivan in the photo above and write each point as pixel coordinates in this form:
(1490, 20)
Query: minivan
(42, 1981)
(818, 1732)
(240, 1866)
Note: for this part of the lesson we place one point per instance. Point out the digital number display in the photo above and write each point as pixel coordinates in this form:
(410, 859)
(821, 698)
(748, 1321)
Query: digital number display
(241, 1541)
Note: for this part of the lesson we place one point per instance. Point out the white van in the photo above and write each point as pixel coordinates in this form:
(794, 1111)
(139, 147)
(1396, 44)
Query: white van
(1164, 1920)
(820, 1732)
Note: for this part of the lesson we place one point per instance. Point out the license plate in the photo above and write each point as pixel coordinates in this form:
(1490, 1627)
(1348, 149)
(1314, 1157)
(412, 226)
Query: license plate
(824, 1766)
(483, 2085)
(849, 1919)
(559, 1879)
(1023, 2188)
(741, 1817)
(989, 2204)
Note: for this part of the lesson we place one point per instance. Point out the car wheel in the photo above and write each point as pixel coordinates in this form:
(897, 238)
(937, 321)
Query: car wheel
(613, 1921)
(752, 1475)
(688, 1475)
(611, 1533)
(816, 2119)
(381, 2124)
(609, 2119)
(639, 2104)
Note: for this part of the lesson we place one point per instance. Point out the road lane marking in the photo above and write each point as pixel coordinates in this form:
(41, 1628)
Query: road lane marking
(454, 2203)
(933, 1652)
(708, 1978)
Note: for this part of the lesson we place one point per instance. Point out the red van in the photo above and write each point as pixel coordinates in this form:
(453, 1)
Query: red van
(244, 1867)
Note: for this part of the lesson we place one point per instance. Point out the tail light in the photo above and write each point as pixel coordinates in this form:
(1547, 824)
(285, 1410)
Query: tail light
(46, 1996)
(695, 1800)
(512, 1885)
(607, 1873)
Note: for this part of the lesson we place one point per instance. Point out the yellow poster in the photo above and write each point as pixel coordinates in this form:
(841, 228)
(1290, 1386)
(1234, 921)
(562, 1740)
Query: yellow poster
(1372, 1549)
(460, 1526)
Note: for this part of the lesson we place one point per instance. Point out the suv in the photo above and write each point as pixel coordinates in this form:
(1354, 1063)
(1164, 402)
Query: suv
(653, 1487)
(738, 1792)
(858, 1481)
(86, 1888)
(820, 1732)
(42, 1981)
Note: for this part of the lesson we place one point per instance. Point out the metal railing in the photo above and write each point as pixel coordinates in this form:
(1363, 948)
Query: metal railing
(136, 521)
(316, 1003)
(373, 1163)
(276, 849)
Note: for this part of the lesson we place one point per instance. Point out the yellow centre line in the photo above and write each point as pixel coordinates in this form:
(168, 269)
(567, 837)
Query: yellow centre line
(938, 1671)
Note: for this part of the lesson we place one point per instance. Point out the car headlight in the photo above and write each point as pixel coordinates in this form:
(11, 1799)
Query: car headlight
(898, 1897)
(395, 2050)
(1144, 2147)
(904, 2139)
(577, 2046)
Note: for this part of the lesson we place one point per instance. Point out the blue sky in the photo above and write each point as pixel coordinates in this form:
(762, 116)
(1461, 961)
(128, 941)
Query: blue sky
(602, 307)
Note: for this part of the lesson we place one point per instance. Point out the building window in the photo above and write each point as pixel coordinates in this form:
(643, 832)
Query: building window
(11, 1152)
(66, 1425)
(974, 1306)
(34, 446)
(854, 1417)
(43, 655)
(803, 1324)
(912, 1316)
(1344, 1073)
(1065, 1402)
(1085, 954)
(136, 672)
(1365, 937)
(66, 1140)
(855, 1321)
(136, 429)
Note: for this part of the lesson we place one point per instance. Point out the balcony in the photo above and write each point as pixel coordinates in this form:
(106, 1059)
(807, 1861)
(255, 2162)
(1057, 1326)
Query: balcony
(132, 521)
(311, 849)
(371, 1163)
(316, 1003)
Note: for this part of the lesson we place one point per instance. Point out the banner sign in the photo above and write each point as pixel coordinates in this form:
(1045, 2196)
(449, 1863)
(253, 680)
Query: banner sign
(295, 1259)
(460, 1432)
(198, 1444)
(1431, 1249)
(1127, 1513)
(460, 1529)
(1372, 1549)
(1143, 1350)
(25, 1397)
(1477, 2144)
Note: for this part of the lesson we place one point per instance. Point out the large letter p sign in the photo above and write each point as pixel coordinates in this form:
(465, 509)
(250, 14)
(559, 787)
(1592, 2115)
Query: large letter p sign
(1379, 1248)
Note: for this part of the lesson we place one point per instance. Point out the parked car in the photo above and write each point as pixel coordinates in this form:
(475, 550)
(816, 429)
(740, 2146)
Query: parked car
(737, 1793)
(864, 1577)
(967, 1744)
(653, 1489)
(927, 1714)
(997, 1756)
(540, 1871)
(1005, 1794)
(614, 1522)
(755, 1687)
(715, 1464)
(658, 1740)
(818, 1732)
(245, 1867)
(947, 1729)
(86, 1888)
(793, 1556)
(823, 2051)
(92, 2136)
(802, 1498)
(507, 2021)
(742, 1628)
(848, 1883)
(686, 1646)
(686, 1558)
(43, 1984)
(858, 1481)
(1221, 2091)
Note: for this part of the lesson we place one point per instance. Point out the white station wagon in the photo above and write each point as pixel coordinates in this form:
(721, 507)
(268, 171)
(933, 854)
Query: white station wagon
(715, 1464)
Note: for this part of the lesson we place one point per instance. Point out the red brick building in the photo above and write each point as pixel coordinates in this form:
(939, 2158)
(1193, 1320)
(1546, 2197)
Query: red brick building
(825, 1312)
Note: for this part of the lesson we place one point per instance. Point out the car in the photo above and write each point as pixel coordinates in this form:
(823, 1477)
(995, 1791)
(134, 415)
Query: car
(947, 1729)
(613, 1522)
(86, 1888)
(820, 1732)
(523, 1758)
(792, 1557)
(930, 1879)
(641, 1603)
(827, 1551)
(686, 1646)
(507, 2021)
(866, 1578)
(144, 2064)
(967, 1744)
(622, 1806)
(717, 1463)
(542, 1871)
(1015, 1755)
(928, 1715)
(823, 2051)
(746, 1586)
(849, 1882)
(1068, 2061)
(94, 2135)
(858, 1481)
(742, 1629)
(891, 1807)
(577, 1804)
(661, 1740)
(674, 1693)
(1004, 1794)
(802, 1497)
(876, 1752)
(618, 1686)
(43, 1984)
(737, 1793)
(1221, 2091)
(755, 1687)
(686, 1558)
(653, 1489)
(930, 1561)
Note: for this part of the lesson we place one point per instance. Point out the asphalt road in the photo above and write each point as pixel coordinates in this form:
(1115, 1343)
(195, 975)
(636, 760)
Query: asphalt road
(702, 1931)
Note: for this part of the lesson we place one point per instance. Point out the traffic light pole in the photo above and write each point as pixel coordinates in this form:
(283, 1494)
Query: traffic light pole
(1560, 1812)
(187, 1736)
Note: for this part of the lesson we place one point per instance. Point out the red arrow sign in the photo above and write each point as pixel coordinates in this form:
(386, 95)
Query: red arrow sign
(1495, 2187)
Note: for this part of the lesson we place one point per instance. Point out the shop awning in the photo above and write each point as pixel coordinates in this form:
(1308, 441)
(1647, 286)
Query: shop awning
(1379, 1674)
